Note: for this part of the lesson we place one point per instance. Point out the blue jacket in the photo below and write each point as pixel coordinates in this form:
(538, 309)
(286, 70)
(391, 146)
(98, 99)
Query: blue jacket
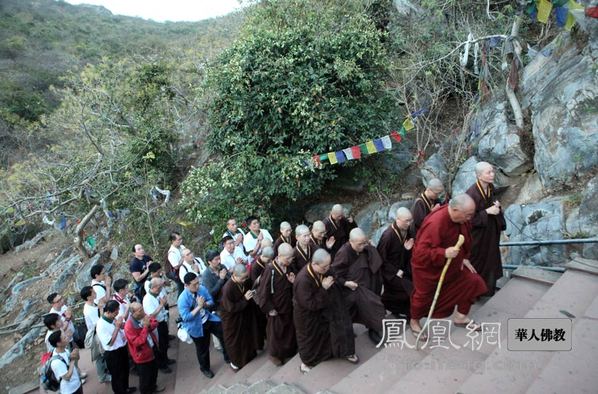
(186, 303)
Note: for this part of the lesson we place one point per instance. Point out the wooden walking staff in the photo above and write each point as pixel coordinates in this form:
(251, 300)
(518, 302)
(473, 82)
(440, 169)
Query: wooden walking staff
(438, 287)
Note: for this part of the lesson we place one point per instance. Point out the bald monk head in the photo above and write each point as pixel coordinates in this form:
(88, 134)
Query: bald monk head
(484, 172)
(267, 254)
(240, 273)
(358, 239)
(320, 261)
(434, 189)
(286, 254)
(461, 208)
(137, 311)
(302, 235)
(337, 211)
(404, 218)
(266, 242)
(285, 229)
(318, 230)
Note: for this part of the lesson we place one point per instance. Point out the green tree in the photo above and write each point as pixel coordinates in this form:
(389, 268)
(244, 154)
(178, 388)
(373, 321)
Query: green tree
(305, 76)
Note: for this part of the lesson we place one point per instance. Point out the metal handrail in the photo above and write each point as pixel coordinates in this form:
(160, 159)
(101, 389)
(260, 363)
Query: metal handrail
(551, 242)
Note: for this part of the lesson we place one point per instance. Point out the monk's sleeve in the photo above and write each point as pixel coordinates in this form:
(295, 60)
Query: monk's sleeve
(419, 213)
(480, 218)
(340, 266)
(466, 248)
(309, 299)
(429, 245)
(231, 305)
(264, 291)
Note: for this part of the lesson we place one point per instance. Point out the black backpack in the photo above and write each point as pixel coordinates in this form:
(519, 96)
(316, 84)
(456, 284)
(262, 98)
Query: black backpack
(48, 379)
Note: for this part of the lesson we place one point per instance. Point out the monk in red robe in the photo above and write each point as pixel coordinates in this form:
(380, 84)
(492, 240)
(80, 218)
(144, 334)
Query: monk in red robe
(275, 298)
(425, 203)
(433, 246)
(303, 249)
(486, 225)
(395, 249)
(339, 227)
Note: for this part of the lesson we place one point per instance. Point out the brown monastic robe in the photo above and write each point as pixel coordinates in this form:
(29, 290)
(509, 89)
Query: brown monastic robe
(340, 230)
(310, 302)
(239, 323)
(275, 292)
(397, 291)
(422, 206)
(364, 268)
(315, 244)
(257, 269)
(485, 232)
(461, 287)
(281, 240)
(302, 257)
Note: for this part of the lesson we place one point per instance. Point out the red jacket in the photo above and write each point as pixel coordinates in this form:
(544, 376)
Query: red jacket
(136, 334)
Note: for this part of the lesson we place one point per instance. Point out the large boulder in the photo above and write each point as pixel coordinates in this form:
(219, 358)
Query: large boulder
(500, 142)
(434, 167)
(560, 88)
(582, 222)
(371, 217)
(466, 177)
(544, 220)
(322, 210)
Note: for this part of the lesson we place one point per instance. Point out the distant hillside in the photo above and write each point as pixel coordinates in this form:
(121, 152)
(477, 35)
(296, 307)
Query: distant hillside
(41, 40)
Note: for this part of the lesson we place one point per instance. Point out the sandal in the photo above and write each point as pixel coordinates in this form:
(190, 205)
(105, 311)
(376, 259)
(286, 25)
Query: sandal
(474, 326)
(353, 359)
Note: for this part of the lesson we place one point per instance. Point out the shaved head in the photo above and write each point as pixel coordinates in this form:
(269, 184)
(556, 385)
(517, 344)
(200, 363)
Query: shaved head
(267, 252)
(320, 257)
(337, 208)
(301, 229)
(461, 208)
(239, 270)
(285, 226)
(318, 226)
(480, 167)
(403, 213)
(356, 234)
(285, 250)
(266, 242)
(436, 185)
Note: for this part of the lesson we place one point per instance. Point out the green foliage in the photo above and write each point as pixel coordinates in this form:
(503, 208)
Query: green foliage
(305, 76)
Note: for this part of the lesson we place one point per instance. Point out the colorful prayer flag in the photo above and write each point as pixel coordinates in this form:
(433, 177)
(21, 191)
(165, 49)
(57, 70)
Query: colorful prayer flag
(544, 9)
(572, 5)
(561, 16)
(356, 152)
(316, 160)
(371, 148)
(379, 145)
(386, 142)
(332, 158)
(402, 132)
(323, 157)
(396, 136)
(340, 157)
(408, 124)
(348, 153)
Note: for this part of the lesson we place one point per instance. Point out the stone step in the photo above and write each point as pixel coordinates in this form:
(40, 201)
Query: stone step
(585, 265)
(384, 369)
(285, 388)
(449, 364)
(290, 373)
(228, 376)
(514, 371)
(538, 274)
(328, 373)
(188, 375)
(575, 365)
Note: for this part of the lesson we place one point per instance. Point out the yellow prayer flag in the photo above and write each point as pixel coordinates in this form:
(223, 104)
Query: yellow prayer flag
(544, 8)
(571, 5)
(332, 158)
(408, 124)
(371, 147)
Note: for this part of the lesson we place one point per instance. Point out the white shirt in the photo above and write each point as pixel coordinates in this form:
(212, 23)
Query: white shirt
(69, 324)
(100, 288)
(122, 308)
(49, 347)
(151, 303)
(146, 286)
(104, 332)
(60, 369)
(186, 267)
(92, 315)
(249, 242)
(175, 255)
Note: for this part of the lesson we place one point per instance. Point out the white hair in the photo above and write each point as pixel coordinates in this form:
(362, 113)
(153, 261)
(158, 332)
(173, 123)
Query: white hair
(460, 201)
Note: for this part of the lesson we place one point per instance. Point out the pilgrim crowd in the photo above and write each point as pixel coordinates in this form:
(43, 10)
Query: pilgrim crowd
(298, 292)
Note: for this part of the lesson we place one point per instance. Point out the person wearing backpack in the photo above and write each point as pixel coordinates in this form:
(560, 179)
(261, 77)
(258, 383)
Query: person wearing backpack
(62, 365)
(101, 284)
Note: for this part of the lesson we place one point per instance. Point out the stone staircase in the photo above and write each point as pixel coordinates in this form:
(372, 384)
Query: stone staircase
(529, 293)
